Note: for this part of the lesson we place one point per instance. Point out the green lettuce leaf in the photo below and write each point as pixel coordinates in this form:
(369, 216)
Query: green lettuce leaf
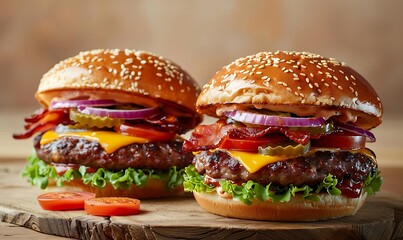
(39, 172)
(247, 192)
(373, 182)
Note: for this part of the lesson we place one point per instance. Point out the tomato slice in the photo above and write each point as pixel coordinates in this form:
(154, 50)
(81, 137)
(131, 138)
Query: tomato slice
(252, 144)
(340, 140)
(112, 206)
(144, 131)
(62, 201)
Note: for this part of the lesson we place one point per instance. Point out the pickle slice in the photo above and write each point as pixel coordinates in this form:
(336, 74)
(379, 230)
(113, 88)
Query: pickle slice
(325, 129)
(288, 151)
(93, 121)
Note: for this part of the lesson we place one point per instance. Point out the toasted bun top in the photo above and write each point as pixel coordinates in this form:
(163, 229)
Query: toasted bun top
(123, 75)
(302, 83)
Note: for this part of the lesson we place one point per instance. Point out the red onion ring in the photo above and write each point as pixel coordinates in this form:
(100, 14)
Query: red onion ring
(269, 120)
(118, 113)
(76, 103)
(357, 130)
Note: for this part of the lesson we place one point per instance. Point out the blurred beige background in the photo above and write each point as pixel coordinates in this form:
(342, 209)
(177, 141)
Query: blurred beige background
(200, 35)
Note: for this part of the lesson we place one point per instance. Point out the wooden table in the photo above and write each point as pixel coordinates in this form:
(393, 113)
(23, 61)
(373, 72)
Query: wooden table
(387, 148)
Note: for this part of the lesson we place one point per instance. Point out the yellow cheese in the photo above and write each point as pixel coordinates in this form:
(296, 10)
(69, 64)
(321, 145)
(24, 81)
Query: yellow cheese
(254, 161)
(110, 141)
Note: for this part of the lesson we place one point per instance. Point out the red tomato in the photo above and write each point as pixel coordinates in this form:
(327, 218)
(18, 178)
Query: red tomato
(144, 131)
(61, 201)
(343, 141)
(251, 144)
(112, 206)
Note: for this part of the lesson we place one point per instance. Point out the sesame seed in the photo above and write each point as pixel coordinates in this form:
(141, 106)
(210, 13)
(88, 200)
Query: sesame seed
(340, 87)
(335, 78)
(310, 86)
(158, 74)
(352, 77)
(265, 77)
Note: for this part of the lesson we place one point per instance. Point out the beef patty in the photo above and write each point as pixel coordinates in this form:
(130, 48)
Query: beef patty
(311, 170)
(76, 150)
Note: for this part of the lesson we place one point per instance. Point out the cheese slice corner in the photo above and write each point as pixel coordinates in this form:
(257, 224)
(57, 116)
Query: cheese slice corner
(109, 141)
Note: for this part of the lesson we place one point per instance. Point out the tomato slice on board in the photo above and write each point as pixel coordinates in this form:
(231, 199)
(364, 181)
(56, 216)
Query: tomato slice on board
(144, 131)
(252, 144)
(62, 201)
(343, 141)
(112, 206)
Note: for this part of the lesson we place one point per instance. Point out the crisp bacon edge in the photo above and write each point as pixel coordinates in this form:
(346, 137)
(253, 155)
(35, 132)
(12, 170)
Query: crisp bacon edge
(205, 137)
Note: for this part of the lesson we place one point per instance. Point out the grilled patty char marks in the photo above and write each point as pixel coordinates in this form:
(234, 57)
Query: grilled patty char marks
(77, 150)
(344, 165)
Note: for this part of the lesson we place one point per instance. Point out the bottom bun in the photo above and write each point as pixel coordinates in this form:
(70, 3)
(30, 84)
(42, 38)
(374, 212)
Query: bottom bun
(297, 209)
(154, 189)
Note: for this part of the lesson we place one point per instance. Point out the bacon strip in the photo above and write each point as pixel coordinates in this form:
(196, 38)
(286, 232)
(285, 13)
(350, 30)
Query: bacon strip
(43, 120)
(206, 137)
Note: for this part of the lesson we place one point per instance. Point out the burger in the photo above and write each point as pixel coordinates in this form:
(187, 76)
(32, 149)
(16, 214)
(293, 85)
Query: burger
(111, 123)
(290, 140)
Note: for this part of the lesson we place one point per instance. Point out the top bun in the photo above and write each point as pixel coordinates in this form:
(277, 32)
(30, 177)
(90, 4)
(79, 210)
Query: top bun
(123, 75)
(301, 83)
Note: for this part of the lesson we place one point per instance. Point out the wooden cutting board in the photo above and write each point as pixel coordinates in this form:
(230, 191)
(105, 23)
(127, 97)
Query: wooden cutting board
(380, 218)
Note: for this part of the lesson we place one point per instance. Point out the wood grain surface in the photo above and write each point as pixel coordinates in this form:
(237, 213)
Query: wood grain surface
(380, 218)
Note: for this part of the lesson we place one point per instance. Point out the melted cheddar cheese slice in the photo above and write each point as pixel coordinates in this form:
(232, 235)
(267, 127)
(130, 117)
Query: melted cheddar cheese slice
(110, 141)
(253, 162)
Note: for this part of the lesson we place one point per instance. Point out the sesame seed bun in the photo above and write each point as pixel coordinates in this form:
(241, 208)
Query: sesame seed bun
(297, 209)
(302, 83)
(123, 75)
